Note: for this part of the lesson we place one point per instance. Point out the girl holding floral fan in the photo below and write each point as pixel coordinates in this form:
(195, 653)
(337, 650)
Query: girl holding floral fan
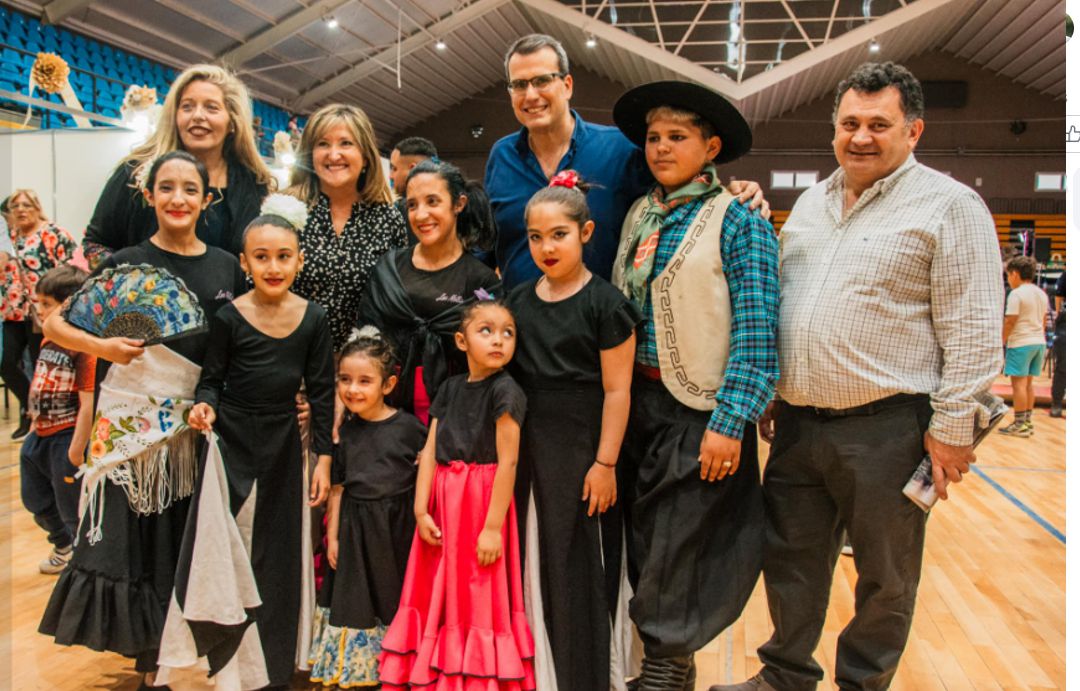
(126, 565)
(262, 346)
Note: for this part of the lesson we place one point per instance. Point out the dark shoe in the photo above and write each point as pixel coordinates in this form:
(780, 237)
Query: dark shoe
(22, 430)
(754, 683)
(1055, 410)
(665, 674)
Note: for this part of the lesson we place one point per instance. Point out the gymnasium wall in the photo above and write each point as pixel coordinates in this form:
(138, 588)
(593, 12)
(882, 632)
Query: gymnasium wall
(67, 168)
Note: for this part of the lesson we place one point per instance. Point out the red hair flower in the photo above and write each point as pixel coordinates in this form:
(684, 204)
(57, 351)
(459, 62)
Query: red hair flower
(567, 178)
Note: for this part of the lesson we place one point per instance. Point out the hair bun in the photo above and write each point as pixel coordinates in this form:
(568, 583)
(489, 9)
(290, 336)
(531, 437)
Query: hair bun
(286, 206)
(567, 178)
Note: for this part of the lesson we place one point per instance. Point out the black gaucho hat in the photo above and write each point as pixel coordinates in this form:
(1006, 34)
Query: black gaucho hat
(631, 108)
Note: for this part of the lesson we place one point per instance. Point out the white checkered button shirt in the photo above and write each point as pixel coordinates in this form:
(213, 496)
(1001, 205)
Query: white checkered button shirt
(902, 294)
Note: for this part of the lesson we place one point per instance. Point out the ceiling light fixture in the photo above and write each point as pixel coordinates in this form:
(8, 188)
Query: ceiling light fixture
(875, 47)
(440, 44)
(331, 22)
(590, 42)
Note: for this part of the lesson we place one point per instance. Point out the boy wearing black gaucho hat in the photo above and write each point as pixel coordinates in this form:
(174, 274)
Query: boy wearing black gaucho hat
(703, 269)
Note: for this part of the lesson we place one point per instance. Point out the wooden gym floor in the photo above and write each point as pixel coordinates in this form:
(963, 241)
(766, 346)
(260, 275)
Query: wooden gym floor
(990, 614)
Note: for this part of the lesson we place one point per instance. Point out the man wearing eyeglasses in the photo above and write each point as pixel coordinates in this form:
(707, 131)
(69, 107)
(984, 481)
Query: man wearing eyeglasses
(553, 138)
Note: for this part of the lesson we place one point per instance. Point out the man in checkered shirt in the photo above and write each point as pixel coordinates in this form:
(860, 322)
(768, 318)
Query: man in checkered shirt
(889, 339)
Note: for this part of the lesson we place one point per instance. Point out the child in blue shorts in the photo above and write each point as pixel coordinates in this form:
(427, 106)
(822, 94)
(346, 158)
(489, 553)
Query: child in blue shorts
(1024, 336)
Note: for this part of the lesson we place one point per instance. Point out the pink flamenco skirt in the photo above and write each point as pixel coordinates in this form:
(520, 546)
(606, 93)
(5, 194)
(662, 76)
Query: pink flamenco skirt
(460, 626)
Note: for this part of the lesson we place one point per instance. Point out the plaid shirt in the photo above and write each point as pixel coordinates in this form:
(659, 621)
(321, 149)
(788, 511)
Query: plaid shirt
(901, 293)
(750, 255)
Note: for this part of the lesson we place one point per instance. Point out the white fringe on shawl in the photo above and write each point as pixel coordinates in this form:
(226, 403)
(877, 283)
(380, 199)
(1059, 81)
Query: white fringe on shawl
(140, 440)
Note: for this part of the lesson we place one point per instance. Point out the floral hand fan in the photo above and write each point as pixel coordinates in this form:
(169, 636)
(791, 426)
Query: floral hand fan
(136, 301)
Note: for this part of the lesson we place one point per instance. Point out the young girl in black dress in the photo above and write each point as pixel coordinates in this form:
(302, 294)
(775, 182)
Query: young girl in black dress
(370, 517)
(461, 622)
(129, 570)
(416, 293)
(575, 361)
(262, 346)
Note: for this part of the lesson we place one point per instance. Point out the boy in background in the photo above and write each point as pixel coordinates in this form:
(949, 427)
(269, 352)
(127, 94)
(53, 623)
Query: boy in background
(1024, 337)
(62, 410)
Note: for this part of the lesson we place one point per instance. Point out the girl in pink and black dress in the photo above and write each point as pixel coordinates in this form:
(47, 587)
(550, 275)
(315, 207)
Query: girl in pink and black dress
(461, 621)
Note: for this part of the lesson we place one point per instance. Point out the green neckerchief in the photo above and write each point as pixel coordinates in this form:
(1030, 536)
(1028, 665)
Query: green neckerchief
(646, 234)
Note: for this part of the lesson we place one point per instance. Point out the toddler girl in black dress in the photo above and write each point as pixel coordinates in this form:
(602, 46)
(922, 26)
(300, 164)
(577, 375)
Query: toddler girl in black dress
(370, 518)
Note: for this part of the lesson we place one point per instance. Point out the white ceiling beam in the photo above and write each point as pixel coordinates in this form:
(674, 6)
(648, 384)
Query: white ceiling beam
(656, 23)
(856, 39)
(693, 25)
(58, 10)
(832, 18)
(797, 23)
(408, 45)
(634, 45)
(264, 40)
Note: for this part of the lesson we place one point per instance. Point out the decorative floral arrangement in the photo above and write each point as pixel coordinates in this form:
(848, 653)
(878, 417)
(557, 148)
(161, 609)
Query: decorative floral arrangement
(282, 143)
(139, 98)
(288, 207)
(50, 72)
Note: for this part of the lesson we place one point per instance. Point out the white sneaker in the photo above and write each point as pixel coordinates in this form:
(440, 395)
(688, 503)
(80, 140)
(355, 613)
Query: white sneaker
(56, 562)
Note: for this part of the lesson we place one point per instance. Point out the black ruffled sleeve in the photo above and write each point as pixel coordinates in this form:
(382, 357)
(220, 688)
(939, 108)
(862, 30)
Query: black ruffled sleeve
(615, 316)
(437, 409)
(507, 397)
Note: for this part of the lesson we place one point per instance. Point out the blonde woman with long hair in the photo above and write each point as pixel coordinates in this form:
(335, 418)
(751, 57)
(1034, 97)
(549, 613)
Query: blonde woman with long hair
(353, 221)
(207, 113)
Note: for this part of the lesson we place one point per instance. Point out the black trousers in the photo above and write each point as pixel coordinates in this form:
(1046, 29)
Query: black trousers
(825, 475)
(695, 547)
(48, 485)
(18, 336)
(1057, 384)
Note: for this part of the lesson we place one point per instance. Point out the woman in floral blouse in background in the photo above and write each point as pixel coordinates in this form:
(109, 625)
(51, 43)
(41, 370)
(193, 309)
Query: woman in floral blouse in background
(39, 245)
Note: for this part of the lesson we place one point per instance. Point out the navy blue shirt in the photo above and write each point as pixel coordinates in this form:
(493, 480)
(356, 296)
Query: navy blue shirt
(603, 157)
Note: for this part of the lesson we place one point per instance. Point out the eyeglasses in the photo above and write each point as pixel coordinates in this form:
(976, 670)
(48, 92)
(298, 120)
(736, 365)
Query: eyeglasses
(541, 82)
(21, 205)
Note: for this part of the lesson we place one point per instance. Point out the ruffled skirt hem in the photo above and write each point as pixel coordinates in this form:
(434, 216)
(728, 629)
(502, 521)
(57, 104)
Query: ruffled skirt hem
(344, 657)
(101, 613)
(460, 626)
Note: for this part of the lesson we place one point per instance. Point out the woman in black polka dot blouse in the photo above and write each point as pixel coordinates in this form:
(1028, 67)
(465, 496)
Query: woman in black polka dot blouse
(353, 221)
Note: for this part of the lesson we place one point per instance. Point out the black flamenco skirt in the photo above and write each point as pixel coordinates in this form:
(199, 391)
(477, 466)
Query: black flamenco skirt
(115, 593)
(374, 537)
(580, 555)
(264, 464)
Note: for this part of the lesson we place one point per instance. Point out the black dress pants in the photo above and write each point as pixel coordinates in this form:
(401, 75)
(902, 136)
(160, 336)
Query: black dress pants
(1057, 384)
(824, 475)
(18, 336)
